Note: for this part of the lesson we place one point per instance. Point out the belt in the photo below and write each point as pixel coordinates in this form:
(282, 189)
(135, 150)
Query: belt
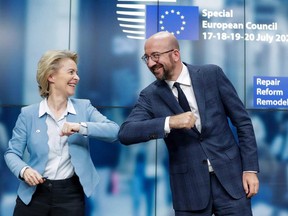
(74, 180)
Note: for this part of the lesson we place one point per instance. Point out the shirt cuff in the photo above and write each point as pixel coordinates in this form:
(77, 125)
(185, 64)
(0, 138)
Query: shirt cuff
(83, 129)
(22, 171)
(166, 126)
(250, 172)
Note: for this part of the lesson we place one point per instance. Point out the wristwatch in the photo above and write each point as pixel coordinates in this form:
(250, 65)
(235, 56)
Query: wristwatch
(83, 124)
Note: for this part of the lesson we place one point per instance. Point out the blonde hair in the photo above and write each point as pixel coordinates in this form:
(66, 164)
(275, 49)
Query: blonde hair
(48, 64)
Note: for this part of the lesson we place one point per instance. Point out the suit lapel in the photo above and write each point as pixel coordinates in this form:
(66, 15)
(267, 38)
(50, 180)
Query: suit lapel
(199, 91)
(167, 96)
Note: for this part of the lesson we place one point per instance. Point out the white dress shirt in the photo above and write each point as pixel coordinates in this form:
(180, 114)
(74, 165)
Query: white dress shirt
(59, 164)
(187, 88)
(186, 85)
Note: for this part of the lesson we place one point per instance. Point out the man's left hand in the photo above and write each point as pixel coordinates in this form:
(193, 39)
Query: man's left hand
(250, 183)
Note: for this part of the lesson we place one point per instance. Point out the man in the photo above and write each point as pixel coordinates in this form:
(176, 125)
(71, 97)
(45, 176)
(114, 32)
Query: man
(210, 170)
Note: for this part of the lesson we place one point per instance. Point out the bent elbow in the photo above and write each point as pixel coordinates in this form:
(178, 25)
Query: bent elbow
(125, 138)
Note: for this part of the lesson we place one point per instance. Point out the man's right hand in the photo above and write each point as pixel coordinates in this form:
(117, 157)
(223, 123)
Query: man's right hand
(184, 120)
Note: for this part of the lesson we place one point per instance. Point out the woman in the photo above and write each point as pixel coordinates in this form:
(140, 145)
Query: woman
(55, 132)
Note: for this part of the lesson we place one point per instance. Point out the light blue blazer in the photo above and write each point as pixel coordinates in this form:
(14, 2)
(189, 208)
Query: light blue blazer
(31, 131)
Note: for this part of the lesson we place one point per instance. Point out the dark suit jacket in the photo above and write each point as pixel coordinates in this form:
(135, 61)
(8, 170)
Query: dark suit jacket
(189, 149)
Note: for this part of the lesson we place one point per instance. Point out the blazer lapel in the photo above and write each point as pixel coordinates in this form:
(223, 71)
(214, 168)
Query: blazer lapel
(167, 96)
(199, 91)
(72, 118)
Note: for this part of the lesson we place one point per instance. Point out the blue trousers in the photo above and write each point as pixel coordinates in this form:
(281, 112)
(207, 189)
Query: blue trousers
(221, 203)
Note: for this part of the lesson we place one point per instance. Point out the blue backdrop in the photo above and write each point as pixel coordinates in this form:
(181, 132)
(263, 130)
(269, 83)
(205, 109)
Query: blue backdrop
(109, 38)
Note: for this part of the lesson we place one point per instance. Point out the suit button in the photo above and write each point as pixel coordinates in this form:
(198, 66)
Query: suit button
(204, 161)
(153, 136)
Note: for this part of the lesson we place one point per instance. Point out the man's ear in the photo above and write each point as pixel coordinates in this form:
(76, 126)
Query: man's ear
(176, 55)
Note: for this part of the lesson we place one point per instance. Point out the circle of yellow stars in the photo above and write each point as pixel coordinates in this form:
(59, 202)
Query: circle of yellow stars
(167, 13)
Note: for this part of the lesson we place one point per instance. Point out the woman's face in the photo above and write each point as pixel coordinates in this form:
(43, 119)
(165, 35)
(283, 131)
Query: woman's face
(63, 82)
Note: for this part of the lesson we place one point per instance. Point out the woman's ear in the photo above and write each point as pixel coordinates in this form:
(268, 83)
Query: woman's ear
(51, 78)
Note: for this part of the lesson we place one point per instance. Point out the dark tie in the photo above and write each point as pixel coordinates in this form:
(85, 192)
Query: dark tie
(182, 98)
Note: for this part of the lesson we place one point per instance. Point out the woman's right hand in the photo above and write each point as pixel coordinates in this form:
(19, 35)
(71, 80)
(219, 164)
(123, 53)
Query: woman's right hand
(32, 177)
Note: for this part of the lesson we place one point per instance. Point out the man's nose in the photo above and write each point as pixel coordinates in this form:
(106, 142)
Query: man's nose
(150, 62)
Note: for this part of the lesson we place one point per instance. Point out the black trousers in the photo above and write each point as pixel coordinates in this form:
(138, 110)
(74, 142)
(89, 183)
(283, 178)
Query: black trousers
(54, 198)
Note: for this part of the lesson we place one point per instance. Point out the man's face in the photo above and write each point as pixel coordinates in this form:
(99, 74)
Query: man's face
(160, 63)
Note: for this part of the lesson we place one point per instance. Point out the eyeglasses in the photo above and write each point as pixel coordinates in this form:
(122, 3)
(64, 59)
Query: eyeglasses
(154, 56)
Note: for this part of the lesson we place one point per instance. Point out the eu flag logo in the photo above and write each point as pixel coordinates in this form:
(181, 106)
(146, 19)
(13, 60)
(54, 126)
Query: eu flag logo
(182, 21)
